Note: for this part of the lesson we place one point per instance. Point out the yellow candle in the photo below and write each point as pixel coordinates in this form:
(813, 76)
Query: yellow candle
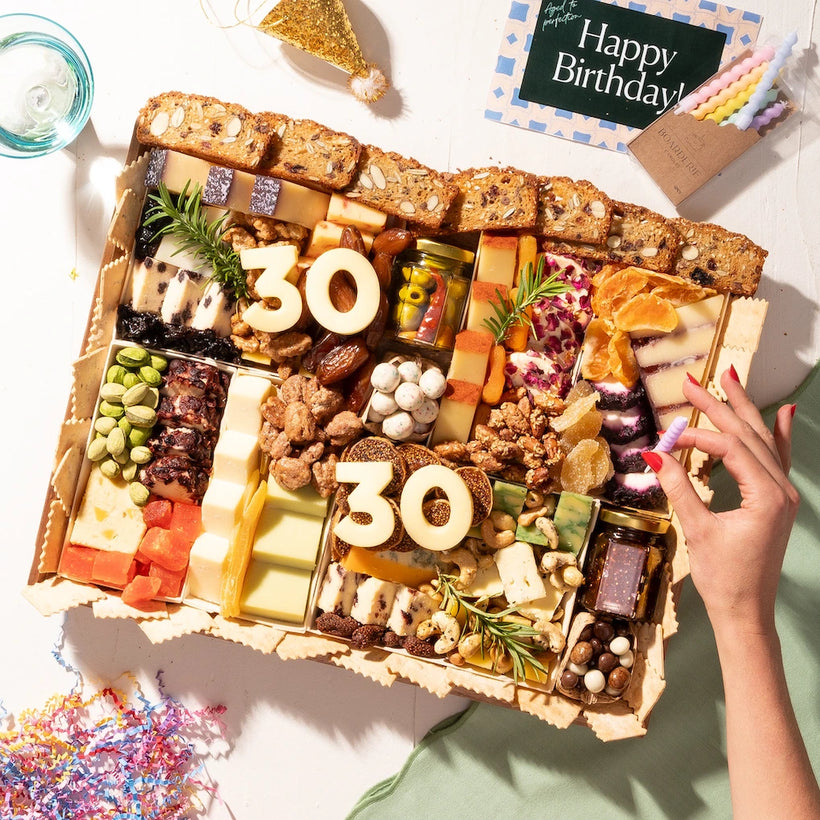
(747, 81)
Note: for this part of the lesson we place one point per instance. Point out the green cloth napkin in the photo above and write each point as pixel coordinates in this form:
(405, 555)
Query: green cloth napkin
(492, 762)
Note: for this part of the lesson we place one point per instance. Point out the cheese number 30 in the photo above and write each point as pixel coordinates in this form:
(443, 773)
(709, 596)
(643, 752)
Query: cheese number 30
(373, 477)
(278, 283)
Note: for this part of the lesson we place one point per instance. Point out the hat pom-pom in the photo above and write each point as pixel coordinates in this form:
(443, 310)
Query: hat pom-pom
(369, 87)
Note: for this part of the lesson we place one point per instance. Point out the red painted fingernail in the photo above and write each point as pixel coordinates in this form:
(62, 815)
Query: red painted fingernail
(661, 432)
(733, 373)
(692, 379)
(654, 461)
(794, 407)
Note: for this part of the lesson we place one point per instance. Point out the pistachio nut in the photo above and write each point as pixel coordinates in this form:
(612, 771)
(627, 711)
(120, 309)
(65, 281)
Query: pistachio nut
(98, 449)
(141, 416)
(139, 493)
(130, 379)
(114, 411)
(129, 470)
(159, 362)
(140, 455)
(151, 398)
(105, 424)
(133, 357)
(116, 373)
(150, 375)
(138, 436)
(122, 458)
(109, 468)
(134, 395)
(124, 425)
(115, 443)
(112, 392)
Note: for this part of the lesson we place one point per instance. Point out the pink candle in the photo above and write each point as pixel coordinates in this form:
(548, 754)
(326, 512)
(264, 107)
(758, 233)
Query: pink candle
(731, 91)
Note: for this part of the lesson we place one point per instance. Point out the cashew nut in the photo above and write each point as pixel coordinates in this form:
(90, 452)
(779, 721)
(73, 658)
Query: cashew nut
(426, 629)
(573, 577)
(495, 540)
(550, 636)
(466, 563)
(534, 498)
(554, 560)
(469, 645)
(546, 526)
(449, 629)
(527, 519)
(502, 662)
(502, 520)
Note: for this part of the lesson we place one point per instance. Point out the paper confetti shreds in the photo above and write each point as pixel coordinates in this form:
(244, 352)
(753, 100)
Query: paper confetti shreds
(101, 757)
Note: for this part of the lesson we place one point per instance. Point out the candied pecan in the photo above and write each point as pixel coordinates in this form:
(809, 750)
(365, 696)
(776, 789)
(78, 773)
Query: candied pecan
(280, 446)
(393, 640)
(333, 624)
(343, 428)
(293, 389)
(290, 473)
(238, 327)
(505, 450)
(246, 345)
(525, 407)
(496, 419)
(273, 410)
(531, 460)
(287, 368)
(323, 475)
(532, 445)
(312, 452)
(505, 434)
(267, 435)
(300, 426)
(416, 646)
(487, 462)
(485, 434)
(539, 478)
(552, 448)
(324, 402)
(514, 472)
(538, 423)
(548, 403)
(367, 635)
(238, 238)
(455, 451)
(514, 419)
(283, 346)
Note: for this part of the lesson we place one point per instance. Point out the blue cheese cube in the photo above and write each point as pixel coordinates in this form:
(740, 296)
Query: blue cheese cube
(519, 574)
(148, 284)
(182, 297)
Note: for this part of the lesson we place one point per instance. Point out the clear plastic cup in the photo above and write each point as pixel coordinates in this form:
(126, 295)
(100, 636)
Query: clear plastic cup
(47, 86)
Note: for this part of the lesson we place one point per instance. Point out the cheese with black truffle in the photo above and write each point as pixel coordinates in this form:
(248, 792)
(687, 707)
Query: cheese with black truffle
(214, 310)
(149, 282)
(182, 297)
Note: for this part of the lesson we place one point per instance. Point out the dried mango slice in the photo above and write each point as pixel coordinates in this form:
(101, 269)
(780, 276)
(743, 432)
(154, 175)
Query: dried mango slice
(645, 311)
(574, 412)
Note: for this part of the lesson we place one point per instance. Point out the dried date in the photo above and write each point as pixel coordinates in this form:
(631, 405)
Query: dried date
(375, 330)
(352, 238)
(358, 386)
(342, 361)
(392, 241)
(326, 343)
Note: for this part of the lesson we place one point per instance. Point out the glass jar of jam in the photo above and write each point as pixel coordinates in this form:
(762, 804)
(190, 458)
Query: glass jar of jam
(624, 569)
(430, 286)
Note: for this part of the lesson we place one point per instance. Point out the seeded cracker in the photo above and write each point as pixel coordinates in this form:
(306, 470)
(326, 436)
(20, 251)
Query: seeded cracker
(112, 281)
(298, 647)
(614, 721)
(713, 257)
(573, 209)
(224, 133)
(401, 186)
(303, 150)
(498, 688)
(492, 199)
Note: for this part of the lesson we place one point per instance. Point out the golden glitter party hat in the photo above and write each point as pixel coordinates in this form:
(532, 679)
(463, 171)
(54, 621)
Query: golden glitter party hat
(322, 28)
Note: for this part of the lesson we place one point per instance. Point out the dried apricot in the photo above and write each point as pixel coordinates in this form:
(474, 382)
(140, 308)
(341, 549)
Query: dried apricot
(595, 356)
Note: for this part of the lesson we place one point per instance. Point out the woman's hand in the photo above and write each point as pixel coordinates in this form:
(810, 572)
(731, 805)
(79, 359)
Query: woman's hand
(736, 556)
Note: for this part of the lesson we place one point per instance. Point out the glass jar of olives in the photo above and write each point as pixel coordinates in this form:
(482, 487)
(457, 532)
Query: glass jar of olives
(430, 286)
(624, 569)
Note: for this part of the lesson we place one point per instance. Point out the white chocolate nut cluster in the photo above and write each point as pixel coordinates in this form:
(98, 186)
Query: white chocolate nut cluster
(405, 397)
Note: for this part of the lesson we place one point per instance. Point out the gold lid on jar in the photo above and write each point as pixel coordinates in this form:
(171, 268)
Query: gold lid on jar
(656, 526)
(447, 251)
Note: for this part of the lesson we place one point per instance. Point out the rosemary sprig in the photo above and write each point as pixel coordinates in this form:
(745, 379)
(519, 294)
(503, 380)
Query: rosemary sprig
(187, 222)
(501, 635)
(532, 288)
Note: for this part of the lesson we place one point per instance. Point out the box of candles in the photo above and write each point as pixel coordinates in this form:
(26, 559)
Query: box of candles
(717, 122)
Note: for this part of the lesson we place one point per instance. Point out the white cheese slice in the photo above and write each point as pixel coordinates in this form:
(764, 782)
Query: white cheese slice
(221, 506)
(148, 283)
(205, 566)
(519, 574)
(236, 456)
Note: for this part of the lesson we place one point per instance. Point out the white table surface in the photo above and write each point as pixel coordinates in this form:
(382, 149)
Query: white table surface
(306, 738)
